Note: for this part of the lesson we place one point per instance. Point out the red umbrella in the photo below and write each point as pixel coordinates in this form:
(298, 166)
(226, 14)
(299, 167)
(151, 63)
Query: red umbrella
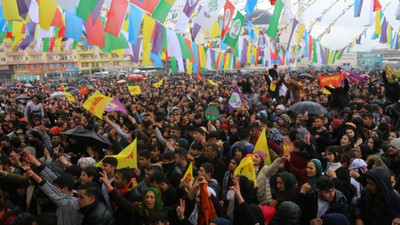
(136, 77)
(19, 84)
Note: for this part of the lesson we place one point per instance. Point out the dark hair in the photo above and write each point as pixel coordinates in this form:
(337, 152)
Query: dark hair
(197, 146)
(74, 170)
(91, 171)
(365, 151)
(144, 153)
(111, 160)
(158, 177)
(180, 151)
(208, 167)
(154, 168)
(369, 115)
(127, 173)
(91, 189)
(169, 156)
(65, 180)
(213, 146)
(299, 144)
(336, 150)
(158, 215)
(46, 218)
(254, 125)
(325, 183)
(244, 133)
(377, 144)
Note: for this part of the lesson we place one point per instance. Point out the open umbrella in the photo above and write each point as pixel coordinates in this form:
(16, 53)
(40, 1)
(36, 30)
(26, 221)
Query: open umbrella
(306, 76)
(83, 82)
(88, 137)
(217, 77)
(308, 106)
(28, 85)
(21, 97)
(58, 94)
(121, 81)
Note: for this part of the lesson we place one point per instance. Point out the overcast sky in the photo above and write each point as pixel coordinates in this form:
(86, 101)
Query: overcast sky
(346, 28)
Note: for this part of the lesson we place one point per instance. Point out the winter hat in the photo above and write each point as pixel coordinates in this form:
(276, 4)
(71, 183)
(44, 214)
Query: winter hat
(285, 118)
(225, 126)
(357, 163)
(336, 123)
(183, 143)
(32, 150)
(396, 143)
(262, 154)
(302, 133)
(221, 221)
(281, 107)
(335, 219)
(86, 162)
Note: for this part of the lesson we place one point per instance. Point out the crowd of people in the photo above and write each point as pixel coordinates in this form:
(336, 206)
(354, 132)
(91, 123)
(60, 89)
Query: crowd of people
(341, 167)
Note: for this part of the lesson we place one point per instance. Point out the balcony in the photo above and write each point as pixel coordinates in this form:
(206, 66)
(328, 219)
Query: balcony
(14, 53)
(33, 53)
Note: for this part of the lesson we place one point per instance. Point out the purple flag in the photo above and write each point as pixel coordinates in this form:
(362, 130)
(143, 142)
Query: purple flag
(115, 105)
(212, 53)
(398, 12)
(358, 41)
(189, 7)
(158, 37)
(23, 7)
(322, 55)
(96, 11)
(26, 42)
(195, 31)
(31, 28)
(235, 100)
(291, 33)
(356, 79)
(136, 50)
(243, 56)
(396, 43)
(383, 38)
(357, 10)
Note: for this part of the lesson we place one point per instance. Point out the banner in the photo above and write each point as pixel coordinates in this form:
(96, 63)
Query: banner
(235, 100)
(208, 14)
(334, 80)
(227, 17)
(356, 79)
(134, 90)
(96, 104)
(273, 24)
(234, 32)
(127, 158)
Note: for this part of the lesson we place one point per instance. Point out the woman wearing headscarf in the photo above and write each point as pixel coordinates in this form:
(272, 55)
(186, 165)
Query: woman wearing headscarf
(308, 175)
(133, 213)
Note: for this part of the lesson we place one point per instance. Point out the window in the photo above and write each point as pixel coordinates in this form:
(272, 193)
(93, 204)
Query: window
(57, 65)
(38, 66)
(115, 63)
(3, 59)
(51, 65)
(46, 65)
(1, 49)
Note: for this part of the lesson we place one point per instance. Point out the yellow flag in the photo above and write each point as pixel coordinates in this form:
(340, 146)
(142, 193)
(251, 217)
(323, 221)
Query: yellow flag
(215, 30)
(227, 61)
(202, 54)
(262, 145)
(300, 33)
(212, 83)
(378, 22)
(272, 86)
(69, 96)
(148, 27)
(325, 91)
(246, 169)
(126, 158)
(158, 84)
(189, 174)
(134, 90)
(47, 9)
(189, 66)
(96, 104)
(10, 9)
(390, 72)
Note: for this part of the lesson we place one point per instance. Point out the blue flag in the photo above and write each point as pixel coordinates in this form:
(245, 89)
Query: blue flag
(135, 21)
(250, 5)
(73, 26)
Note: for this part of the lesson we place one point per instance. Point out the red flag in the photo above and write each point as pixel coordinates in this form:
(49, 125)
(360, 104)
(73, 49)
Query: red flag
(57, 19)
(227, 17)
(207, 207)
(334, 79)
(310, 47)
(62, 88)
(189, 43)
(52, 42)
(273, 2)
(116, 16)
(148, 5)
(95, 33)
(83, 91)
(377, 5)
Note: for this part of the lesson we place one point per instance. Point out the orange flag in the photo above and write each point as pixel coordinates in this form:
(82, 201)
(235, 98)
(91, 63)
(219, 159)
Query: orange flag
(83, 91)
(206, 206)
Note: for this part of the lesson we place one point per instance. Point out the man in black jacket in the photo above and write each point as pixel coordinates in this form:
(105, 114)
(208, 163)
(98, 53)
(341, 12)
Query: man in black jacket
(326, 199)
(94, 211)
(379, 203)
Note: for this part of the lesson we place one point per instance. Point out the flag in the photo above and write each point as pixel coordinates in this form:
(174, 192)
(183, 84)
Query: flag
(207, 207)
(69, 96)
(96, 33)
(127, 158)
(250, 5)
(162, 10)
(234, 32)
(334, 79)
(273, 24)
(236, 99)
(189, 7)
(356, 79)
(208, 14)
(83, 91)
(47, 9)
(189, 174)
(116, 16)
(115, 105)
(262, 145)
(390, 73)
(246, 169)
(73, 26)
(227, 17)
(135, 21)
(212, 83)
(377, 5)
(85, 8)
(11, 11)
(96, 104)
(148, 5)
(134, 90)
(158, 84)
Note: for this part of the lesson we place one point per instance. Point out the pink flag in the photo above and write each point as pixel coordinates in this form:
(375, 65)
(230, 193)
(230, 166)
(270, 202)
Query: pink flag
(115, 105)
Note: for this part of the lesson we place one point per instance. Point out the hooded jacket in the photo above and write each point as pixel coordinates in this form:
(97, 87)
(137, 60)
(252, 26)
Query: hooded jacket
(381, 208)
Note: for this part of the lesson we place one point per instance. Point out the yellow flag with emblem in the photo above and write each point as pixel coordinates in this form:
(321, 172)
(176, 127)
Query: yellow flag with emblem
(262, 145)
(69, 96)
(126, 158)
(189, 174)
(272, 86)
(246, 169)
(134, 90)
(96, 104)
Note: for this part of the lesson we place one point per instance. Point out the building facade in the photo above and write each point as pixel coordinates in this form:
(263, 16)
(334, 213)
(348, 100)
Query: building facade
(369, 61)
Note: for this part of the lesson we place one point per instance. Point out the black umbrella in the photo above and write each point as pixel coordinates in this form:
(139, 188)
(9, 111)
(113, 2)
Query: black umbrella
(306, 76)
(83, 82)
(217, 77)
(22, 96)
(88, 137)
(308, 106)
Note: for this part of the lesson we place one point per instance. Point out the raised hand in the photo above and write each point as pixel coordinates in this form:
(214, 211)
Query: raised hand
(180, 210)
(29, 158)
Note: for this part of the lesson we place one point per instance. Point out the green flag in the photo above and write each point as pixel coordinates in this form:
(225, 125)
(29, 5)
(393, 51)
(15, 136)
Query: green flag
(235, 30)
(186, 53)
(162, 10)
(46, 44)
(2, 36)
(314, 46)
(273, 23)
(174, 67)
(85, 8)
